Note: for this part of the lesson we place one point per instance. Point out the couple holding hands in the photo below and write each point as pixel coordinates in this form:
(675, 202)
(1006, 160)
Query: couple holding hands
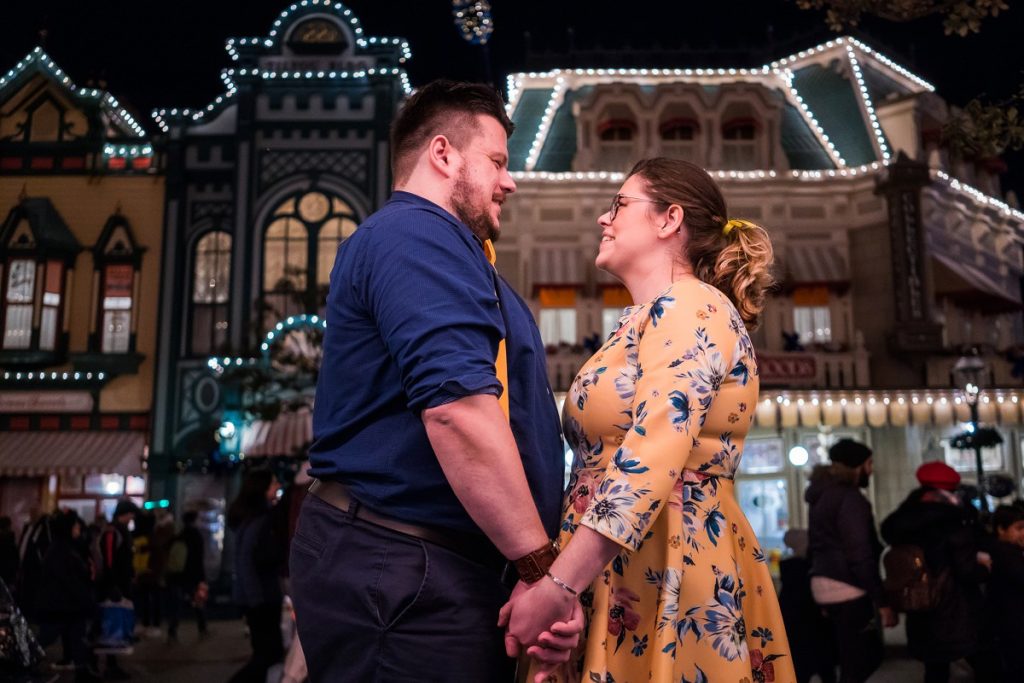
(438, 447)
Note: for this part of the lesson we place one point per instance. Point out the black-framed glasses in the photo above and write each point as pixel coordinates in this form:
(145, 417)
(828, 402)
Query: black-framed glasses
(613, 210)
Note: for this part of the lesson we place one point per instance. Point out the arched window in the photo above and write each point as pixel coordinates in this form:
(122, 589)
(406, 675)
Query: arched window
(679, 138)
(299, 247)
(739, 144)
(211, 292)
(118, 260)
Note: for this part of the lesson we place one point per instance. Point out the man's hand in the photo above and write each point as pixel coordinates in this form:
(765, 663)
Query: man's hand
(555, 646)
(890, 619)
(532, 610)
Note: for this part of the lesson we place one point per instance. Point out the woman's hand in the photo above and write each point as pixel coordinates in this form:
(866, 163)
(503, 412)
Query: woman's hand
(541, 610)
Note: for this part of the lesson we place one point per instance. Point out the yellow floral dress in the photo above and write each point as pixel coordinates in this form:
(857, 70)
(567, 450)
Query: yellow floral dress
(657, 419)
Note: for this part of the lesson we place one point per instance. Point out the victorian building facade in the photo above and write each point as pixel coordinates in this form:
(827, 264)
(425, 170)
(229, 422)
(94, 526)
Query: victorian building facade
(262, 186)
(893, 255)
(81, 204)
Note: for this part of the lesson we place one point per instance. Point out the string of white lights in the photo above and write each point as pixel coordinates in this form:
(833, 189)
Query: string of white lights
(555, 101)
(786, 76)
(865, 98)
(977, 195)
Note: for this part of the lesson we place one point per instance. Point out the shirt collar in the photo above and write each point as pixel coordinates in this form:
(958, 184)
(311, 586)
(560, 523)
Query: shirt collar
(411, 198)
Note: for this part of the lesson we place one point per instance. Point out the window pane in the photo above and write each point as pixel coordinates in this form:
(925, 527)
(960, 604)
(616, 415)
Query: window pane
(558, 325)
(813, 324)
(48, 329)
(104, 484)
(21, 281)
(211, 283)
(285, 256)
(209, 328)
(610, 320)
(766, 505)
(116, 331)
(313, 207)
(18, 326)
(739, 156)
(761, 456)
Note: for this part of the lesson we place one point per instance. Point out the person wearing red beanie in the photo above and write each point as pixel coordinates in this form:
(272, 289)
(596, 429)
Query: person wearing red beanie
(938, 475)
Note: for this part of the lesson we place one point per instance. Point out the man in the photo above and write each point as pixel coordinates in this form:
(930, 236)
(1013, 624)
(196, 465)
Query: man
(1006, 588)
(953, 626)
(844, 552)
(425, 488)
(117, 571)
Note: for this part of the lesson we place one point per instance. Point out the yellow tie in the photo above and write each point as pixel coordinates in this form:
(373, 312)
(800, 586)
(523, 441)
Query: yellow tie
(501, 362)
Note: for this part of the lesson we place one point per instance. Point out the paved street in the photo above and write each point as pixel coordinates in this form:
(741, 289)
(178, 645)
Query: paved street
(215, 658)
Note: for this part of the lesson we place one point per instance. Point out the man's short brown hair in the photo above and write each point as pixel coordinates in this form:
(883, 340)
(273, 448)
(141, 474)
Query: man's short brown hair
(442, 107)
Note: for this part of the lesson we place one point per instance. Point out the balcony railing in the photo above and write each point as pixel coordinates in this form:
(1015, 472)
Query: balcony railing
(811, 370)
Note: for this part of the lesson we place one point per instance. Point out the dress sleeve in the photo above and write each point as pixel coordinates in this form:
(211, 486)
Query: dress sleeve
(437, 311)
(682, 351)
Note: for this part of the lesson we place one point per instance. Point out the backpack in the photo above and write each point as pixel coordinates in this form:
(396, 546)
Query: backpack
(177, 556)
(141, 556)
(909, 586)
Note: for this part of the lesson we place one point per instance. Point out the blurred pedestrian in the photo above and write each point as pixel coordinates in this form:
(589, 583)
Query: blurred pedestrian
(118, 570)
(810, 637)
(950, 628)
(8, 552)
(67, 596)
(1006, 589)
(146, 593)
(186, 575)
(257, 586)
(844, 553)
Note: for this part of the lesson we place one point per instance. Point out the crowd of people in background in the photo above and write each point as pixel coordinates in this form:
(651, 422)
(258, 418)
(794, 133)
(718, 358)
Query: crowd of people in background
(66, 575)
(954, 575)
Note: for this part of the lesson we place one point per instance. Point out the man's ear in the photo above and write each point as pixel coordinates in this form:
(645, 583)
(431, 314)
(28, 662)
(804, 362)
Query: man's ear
(443, 156)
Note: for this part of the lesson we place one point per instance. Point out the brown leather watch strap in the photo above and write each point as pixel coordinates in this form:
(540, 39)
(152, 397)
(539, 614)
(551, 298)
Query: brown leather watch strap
(535, 566)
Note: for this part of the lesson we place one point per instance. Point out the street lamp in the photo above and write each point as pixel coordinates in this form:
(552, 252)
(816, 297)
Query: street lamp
(968, 372)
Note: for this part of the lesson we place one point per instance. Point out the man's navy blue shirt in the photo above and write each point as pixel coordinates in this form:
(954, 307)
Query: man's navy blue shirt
(413, 322)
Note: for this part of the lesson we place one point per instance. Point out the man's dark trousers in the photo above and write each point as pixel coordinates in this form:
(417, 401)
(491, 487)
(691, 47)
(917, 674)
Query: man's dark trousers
(372, 604)
(858, 638)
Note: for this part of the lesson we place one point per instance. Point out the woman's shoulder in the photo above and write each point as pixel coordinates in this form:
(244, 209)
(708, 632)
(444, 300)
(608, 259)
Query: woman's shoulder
(694, 303)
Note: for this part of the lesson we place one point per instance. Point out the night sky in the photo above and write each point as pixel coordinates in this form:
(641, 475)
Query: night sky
(170, 54)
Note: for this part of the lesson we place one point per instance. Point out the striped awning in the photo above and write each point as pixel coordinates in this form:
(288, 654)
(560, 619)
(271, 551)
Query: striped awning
(289, 434)
(970, 285)
(30, 454)
(814, 263)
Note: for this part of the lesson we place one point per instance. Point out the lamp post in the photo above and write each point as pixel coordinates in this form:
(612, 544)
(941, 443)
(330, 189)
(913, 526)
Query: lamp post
(968, 371)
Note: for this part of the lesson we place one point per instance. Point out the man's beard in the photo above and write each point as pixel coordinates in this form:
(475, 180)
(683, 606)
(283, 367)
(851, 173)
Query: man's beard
(863, 480)
(477, 218)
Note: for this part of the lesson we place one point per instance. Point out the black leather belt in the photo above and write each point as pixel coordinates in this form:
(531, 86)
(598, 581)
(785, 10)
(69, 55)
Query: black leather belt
(476, 548)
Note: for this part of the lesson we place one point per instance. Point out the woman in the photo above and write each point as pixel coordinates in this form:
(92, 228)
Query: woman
(67, 597)
(258, 557)
(672, 579)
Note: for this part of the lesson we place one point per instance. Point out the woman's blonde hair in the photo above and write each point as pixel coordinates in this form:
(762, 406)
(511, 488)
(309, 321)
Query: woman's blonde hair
(737, 260)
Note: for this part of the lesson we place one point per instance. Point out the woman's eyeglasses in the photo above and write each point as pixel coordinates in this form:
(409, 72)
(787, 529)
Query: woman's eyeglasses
(613, 210)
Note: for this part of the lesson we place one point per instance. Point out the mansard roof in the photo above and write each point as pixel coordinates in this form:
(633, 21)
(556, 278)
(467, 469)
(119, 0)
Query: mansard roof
(49, 233)
(828, 122)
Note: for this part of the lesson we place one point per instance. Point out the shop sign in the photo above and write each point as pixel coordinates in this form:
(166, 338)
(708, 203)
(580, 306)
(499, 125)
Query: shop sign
(787, 368)
(45, 402)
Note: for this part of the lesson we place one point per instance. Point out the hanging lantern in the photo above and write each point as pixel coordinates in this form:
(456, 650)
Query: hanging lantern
(473, 19)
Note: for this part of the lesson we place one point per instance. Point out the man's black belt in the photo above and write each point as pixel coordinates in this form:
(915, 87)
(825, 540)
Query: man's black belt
(473, 547)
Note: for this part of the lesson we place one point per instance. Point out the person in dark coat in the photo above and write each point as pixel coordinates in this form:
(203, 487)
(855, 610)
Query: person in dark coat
(116, 556)
(184, 585)
(1006, 588)
(810, 639)
(932, 519)
(845, 553)
(8, 552)
(66, 597)
(257, 586)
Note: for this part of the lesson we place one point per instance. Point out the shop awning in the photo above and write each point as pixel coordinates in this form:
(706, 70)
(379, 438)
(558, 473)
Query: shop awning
(969, 284)
(29, 454)
(289, 434)
(815, 264)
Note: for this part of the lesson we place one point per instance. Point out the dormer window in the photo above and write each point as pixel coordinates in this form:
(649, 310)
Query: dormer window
(37, 252)
(118, 260)
(679, 138)
(616, 137)
(739, 144)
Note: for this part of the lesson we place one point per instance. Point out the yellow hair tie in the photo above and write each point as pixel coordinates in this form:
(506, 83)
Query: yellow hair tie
(735, 223)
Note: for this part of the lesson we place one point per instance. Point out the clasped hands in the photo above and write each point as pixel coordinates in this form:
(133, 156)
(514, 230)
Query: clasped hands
(545, 619)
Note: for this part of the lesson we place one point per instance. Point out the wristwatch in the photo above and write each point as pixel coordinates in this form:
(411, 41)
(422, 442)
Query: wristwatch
(534, 567)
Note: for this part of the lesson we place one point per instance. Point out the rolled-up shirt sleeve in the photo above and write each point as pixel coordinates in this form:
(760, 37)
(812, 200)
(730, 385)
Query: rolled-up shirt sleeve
(434, 301)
